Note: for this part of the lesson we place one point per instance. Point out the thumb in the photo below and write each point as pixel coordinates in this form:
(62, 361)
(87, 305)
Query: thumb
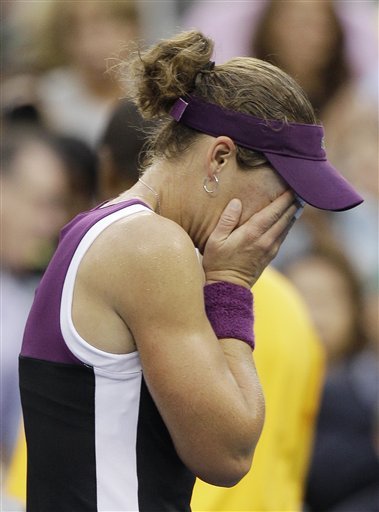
(228, 220)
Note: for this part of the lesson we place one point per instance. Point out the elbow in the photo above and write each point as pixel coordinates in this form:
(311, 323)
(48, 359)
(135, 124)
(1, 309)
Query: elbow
(228, 473)
(232, 473)
(224, 460)
(237, 461)
(228, 466)
(223, 466)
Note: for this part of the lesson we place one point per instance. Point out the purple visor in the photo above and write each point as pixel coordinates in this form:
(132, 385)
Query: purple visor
(296, 151)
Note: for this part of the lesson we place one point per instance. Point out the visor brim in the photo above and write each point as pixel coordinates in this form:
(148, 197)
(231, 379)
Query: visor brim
(317, 182)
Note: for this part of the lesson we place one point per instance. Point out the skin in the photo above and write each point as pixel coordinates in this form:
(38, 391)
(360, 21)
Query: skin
(140, 286)
(94, 36)
(33, 207)
(309, 22)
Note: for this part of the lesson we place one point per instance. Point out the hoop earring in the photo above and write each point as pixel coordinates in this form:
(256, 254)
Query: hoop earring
(206, 183)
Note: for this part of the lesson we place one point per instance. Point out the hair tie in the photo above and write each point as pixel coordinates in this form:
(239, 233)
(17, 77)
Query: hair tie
(208, 66)
(205, 69)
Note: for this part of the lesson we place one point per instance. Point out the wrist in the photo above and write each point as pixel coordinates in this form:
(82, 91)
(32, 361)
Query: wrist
(223, 277)
(229, 308)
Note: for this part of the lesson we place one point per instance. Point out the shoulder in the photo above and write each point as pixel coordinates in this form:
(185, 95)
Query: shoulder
(146, 243)
(143, 262)
(149, 270)
(150, 233)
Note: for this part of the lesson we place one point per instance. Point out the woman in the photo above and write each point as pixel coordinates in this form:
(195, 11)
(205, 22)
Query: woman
(61, 71)
(127, 392)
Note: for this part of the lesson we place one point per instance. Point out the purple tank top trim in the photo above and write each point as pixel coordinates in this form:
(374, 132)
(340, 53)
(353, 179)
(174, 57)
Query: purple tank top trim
(43, 337)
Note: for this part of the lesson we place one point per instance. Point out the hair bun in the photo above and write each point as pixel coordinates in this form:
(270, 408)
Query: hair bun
(158, 76)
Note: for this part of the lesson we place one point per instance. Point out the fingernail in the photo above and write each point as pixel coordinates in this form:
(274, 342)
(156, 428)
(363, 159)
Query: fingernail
(234, 204)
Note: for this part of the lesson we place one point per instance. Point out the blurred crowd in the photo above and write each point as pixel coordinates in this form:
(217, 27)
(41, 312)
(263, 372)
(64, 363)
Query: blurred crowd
(70, 139)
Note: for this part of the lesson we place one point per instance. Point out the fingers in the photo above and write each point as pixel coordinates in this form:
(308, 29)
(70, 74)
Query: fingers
(276, 234)
(284, 223)
(243, 251)
(228, 220)
(274, 212)
(269, 227)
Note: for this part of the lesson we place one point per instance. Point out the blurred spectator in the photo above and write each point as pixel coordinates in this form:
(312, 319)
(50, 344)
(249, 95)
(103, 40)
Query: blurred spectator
(81, 163)
(65, 74)
(345, 466)
(34, 198)
(120, 150)
(233, 26)
(40, 179)
(356, 232)
(309, 41)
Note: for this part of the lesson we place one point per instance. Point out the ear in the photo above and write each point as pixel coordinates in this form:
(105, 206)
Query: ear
(221, 153)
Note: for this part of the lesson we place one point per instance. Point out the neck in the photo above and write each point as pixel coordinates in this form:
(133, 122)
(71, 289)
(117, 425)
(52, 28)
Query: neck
(149, 188)
(156, 195)
(181, 197)
(175, 191)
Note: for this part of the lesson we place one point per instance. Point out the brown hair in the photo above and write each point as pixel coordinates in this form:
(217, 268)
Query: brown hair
(335, 72)
(174, 67)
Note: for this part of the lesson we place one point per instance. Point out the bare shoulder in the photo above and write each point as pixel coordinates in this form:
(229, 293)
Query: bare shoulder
(149, 235)
(149, 267)
(146, 245)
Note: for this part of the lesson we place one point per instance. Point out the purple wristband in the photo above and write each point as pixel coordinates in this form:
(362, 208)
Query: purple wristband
(229, 309)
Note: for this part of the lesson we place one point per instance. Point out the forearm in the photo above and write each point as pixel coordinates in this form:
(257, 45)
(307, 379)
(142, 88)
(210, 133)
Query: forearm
(241, 365)
(218, 442)
(229, 308)
(242, 412)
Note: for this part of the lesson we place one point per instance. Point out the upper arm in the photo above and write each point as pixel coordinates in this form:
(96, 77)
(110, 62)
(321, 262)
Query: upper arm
(157, 288)
(162, 303)
(160, 298)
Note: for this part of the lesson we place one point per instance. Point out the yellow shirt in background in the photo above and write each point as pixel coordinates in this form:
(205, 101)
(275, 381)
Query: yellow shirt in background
(289, 361)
